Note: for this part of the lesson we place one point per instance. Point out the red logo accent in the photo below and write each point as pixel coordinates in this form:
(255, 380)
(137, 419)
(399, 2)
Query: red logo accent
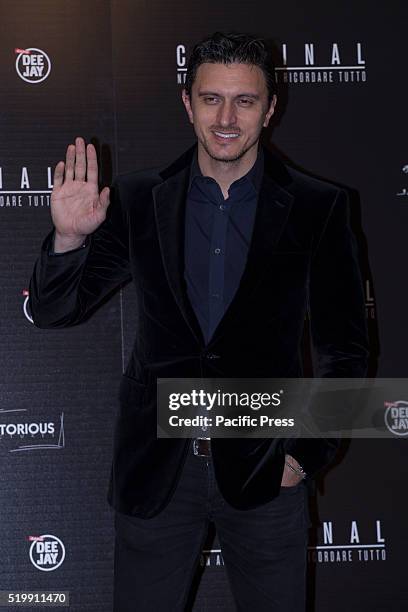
(17, 50)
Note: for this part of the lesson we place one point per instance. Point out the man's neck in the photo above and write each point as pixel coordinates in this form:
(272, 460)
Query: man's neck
(225, 173)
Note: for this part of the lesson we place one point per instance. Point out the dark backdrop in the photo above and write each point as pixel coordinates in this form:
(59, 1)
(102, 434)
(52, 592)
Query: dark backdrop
(116, 72)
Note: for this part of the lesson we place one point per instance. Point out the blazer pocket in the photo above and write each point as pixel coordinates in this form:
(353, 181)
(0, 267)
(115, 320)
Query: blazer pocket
(283, 265)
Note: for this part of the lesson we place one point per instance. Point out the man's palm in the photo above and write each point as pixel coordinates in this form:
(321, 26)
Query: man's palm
(77, 208)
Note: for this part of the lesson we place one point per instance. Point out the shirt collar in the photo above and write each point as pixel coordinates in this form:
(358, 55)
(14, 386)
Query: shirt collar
(254, 175)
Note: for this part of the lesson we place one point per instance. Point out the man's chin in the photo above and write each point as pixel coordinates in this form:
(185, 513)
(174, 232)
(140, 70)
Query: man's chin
(225, 156)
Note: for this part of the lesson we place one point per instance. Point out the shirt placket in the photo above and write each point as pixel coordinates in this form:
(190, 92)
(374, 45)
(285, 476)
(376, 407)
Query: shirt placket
(217, 263)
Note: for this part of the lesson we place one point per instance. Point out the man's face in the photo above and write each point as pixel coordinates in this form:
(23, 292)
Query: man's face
(228, 108)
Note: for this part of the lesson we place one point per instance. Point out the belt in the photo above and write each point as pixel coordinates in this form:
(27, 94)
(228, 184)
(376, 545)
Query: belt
(202, 447)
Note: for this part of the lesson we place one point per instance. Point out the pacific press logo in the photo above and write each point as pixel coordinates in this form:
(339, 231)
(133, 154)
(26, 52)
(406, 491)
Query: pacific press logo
(32, 65)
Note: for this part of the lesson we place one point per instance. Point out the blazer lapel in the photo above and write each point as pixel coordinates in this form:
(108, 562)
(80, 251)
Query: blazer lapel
(170, 202)
(273, 209)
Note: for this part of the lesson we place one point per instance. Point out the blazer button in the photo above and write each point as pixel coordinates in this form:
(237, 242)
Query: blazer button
(211, 356)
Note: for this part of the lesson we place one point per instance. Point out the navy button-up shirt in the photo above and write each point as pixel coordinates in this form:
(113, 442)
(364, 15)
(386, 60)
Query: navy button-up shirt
(217, 237)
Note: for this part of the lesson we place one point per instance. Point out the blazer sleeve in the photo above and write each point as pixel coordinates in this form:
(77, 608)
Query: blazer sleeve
(337, 321)
(65, 288)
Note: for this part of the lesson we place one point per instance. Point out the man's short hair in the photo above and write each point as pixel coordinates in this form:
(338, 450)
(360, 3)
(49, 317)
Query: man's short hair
(230, 47)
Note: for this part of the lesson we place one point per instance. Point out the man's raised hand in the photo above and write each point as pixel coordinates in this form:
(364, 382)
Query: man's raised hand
(77, 208)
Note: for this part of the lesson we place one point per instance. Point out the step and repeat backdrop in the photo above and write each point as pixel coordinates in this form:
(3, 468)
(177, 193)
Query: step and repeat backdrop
(113, 72)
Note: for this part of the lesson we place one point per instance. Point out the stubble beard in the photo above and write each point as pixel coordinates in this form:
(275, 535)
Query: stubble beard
(227, 160)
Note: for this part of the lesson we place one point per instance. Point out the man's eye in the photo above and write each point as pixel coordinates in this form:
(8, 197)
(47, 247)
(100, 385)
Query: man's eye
(245, 101)
(210, 100)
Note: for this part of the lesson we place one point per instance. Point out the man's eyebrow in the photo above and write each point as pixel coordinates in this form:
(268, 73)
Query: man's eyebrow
(254, 96)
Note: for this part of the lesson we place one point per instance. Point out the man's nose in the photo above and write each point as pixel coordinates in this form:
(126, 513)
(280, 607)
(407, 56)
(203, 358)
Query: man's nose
(227, 114)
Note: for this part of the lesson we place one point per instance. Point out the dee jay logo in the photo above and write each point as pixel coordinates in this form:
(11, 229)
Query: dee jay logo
(32, 65)
(47, 552)
(396, 417)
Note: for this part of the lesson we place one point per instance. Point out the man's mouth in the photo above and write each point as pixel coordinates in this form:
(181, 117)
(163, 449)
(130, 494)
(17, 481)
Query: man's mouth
(226, 134)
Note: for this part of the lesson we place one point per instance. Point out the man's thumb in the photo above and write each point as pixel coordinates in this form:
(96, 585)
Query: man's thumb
(104, 197)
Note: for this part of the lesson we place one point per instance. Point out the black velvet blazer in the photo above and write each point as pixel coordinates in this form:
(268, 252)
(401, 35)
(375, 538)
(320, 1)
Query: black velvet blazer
(302, 258)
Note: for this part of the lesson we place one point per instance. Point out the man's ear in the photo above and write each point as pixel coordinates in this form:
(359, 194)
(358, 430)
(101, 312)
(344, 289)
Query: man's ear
(187, 103)
(271, 110)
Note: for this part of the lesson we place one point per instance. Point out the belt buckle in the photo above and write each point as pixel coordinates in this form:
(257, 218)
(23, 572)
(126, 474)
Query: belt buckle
(196, 449)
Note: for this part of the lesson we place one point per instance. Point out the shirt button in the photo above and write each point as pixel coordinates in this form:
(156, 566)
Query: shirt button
(217, 251)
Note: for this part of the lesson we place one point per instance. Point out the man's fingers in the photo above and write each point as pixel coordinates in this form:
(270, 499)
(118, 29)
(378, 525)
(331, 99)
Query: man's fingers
(92, 174)
(59, 174)
(69, 162)
(80, 161)
(104, 197)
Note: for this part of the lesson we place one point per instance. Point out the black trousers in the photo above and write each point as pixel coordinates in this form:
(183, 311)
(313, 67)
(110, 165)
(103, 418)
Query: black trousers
(264, 550)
